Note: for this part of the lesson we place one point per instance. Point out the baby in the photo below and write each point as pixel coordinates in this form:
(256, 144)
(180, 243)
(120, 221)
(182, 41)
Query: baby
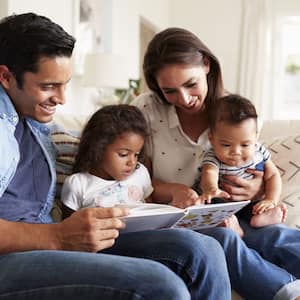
(233, 136)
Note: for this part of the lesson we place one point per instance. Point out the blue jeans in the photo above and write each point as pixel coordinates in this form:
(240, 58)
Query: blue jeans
(197, 259)
(276, 243)
(252, 276)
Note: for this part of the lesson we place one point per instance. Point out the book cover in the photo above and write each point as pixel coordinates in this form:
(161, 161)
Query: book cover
(148, 216)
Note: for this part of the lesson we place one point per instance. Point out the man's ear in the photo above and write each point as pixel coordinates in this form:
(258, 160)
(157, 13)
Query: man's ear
(5, 76)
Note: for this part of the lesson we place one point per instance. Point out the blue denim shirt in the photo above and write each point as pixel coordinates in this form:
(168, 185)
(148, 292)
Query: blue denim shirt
(9, 151)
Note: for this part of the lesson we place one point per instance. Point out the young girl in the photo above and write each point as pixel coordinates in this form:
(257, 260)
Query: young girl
(106, 169)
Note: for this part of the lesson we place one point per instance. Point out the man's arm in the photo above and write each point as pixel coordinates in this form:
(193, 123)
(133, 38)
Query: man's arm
(91, 230)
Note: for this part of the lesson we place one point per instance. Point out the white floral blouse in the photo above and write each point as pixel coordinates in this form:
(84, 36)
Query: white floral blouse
(175, 157)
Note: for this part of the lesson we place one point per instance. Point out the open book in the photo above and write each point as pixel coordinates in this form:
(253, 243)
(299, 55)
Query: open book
(147, 216)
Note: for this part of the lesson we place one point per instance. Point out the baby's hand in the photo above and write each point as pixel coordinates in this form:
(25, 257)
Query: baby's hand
(213, 193)
(262, 206)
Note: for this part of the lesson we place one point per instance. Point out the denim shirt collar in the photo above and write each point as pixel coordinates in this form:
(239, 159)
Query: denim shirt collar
(10, 117)
(7, 109)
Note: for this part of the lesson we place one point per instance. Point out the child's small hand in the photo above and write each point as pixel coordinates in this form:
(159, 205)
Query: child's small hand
(262, 206)
(213, 193)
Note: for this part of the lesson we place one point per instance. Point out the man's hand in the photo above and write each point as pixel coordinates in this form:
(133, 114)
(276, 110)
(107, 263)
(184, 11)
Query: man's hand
(90, 229)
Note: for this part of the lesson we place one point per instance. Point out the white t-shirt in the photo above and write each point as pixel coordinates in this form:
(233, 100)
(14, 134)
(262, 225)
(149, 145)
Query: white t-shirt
(85, 190)
(175, 157)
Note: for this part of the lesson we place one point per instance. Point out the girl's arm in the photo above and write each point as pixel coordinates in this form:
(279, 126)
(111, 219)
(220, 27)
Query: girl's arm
(175, 194)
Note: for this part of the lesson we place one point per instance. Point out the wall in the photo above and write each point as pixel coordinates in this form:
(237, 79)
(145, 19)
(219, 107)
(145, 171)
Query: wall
(59, 11)
(217, 23)
(286, 7)
(3, 8)
(126, 21)
(126, 16)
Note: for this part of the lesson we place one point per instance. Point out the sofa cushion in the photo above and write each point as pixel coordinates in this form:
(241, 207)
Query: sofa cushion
(285, 153)
(65, 133)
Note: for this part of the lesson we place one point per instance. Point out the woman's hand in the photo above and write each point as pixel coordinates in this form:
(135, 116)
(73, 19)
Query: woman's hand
(245, 189)
(90, 229)
(183, 196)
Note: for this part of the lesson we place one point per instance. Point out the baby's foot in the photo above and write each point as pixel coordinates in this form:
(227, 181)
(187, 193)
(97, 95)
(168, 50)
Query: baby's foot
(233, 223)
(271, 216)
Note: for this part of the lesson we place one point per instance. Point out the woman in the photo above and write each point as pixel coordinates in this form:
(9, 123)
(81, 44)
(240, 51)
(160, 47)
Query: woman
(185, 80)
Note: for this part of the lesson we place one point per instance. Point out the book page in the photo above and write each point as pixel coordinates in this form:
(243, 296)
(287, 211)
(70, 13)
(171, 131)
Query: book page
(147, 209)
(156, 221)
(148, 216)
(209, 215)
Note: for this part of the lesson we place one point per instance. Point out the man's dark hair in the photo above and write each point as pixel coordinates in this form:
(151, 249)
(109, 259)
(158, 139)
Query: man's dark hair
(232, 109)
(25, 38)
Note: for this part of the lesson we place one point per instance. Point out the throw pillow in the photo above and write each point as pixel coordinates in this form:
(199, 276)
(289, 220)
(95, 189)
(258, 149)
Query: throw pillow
(285, 153)
(66, 144)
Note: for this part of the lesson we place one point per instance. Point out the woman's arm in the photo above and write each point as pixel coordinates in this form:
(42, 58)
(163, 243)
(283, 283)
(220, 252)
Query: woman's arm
(91, 229)
(245, 189)
(175, 194)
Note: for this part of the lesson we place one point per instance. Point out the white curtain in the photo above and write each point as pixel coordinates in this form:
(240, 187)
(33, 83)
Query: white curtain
(254, 81)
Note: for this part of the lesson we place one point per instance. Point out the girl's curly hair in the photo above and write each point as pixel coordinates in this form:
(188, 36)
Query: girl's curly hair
(102, 129)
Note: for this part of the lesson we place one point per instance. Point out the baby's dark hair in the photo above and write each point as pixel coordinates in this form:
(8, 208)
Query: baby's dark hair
(232, 109)
(103, 128)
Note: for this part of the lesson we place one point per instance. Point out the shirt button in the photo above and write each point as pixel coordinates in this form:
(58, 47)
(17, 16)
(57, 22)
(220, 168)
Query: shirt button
(15, 119)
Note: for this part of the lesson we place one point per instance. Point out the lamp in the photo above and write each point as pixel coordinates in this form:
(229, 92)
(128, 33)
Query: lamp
(106, 72)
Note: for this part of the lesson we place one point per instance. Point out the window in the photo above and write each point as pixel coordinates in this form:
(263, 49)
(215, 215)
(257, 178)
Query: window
(286, 68)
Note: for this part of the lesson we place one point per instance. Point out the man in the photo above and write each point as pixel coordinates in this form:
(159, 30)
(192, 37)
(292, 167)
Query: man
(43, 260)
